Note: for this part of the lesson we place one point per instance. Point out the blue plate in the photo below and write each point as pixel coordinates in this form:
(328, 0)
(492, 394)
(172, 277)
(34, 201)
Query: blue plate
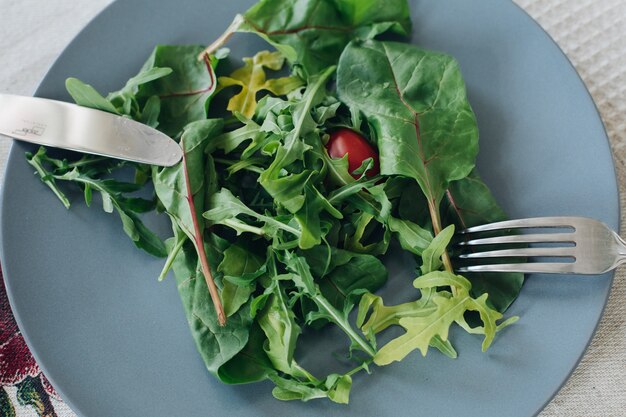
(114, 342)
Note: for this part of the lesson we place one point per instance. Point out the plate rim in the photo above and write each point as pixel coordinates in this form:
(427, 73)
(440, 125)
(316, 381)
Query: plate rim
(13, 151)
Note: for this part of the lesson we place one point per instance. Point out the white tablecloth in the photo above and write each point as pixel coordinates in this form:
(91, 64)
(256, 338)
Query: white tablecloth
(591, 32)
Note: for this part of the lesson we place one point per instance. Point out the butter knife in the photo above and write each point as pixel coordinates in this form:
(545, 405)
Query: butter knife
(69, 126)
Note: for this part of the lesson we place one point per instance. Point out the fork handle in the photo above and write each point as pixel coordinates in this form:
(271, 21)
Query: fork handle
(620, 259)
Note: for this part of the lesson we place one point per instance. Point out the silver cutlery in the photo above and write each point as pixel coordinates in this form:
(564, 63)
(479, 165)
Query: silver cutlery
(69, 126)
(575, 245)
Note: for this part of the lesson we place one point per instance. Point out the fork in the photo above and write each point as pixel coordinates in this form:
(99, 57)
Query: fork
(582, 246)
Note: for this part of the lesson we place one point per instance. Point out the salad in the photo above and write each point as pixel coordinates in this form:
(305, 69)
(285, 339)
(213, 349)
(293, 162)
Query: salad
(302, 170)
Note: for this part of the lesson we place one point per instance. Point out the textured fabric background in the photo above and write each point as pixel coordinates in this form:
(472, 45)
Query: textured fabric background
(591, 32)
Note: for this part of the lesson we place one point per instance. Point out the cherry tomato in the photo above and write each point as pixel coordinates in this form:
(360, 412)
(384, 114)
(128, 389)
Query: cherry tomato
(346, 141)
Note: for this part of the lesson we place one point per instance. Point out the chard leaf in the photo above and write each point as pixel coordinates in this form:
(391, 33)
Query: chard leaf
(312, 34)
(416, 103)
(170, 183)
(216, 343)
(182, 191)
(251, 364)
(252, 79)
(185, 93)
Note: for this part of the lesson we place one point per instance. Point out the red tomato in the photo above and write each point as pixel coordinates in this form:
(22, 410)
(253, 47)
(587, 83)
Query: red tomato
(346, 141)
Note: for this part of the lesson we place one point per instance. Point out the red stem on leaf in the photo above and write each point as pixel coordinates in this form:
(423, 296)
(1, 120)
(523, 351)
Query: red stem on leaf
(204, 263)
(211, 87)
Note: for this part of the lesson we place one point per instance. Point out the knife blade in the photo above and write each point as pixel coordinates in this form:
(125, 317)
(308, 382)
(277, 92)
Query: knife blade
(69, 126)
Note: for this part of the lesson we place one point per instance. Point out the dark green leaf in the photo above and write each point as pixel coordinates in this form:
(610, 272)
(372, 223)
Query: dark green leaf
(217, 344)
(251, 364)
(312, 34)
(185, 93)
(415, 100)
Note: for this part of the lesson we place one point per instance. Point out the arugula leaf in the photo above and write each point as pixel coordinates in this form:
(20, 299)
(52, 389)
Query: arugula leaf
(411, 236)
(252, 79)
(113, 198)
(251, 364)
(278, 324)
(225, 208)
(85, 95)
(294, 147)
(447, 308)
(304, 281)
(238, 261)
(435, 250)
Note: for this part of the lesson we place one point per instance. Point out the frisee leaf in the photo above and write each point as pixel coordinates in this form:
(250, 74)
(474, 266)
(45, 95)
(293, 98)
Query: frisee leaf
(252, 79)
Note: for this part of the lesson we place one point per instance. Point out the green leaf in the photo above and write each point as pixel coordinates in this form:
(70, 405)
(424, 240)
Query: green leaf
(411, 236)
(252, 79)
(144, 77)
(238, 261)
(224, 208)
(360, 272)
(185, 93)
(87, 96)
(37, 161)
(216, 344)
(381, 316)
(251, 364)
(415, 101)
(112, 199)
(306, 284)
(278, 323)
(170, 183)
(312, 34)
(433, 318)
(431, 257)
(309, 216)
(288, 389)
(273, 178)
(151, 111)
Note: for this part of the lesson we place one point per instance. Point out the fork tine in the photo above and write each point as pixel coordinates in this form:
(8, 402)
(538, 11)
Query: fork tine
(527, 268)
(522, 252)
(520, 223)
(527, 238)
